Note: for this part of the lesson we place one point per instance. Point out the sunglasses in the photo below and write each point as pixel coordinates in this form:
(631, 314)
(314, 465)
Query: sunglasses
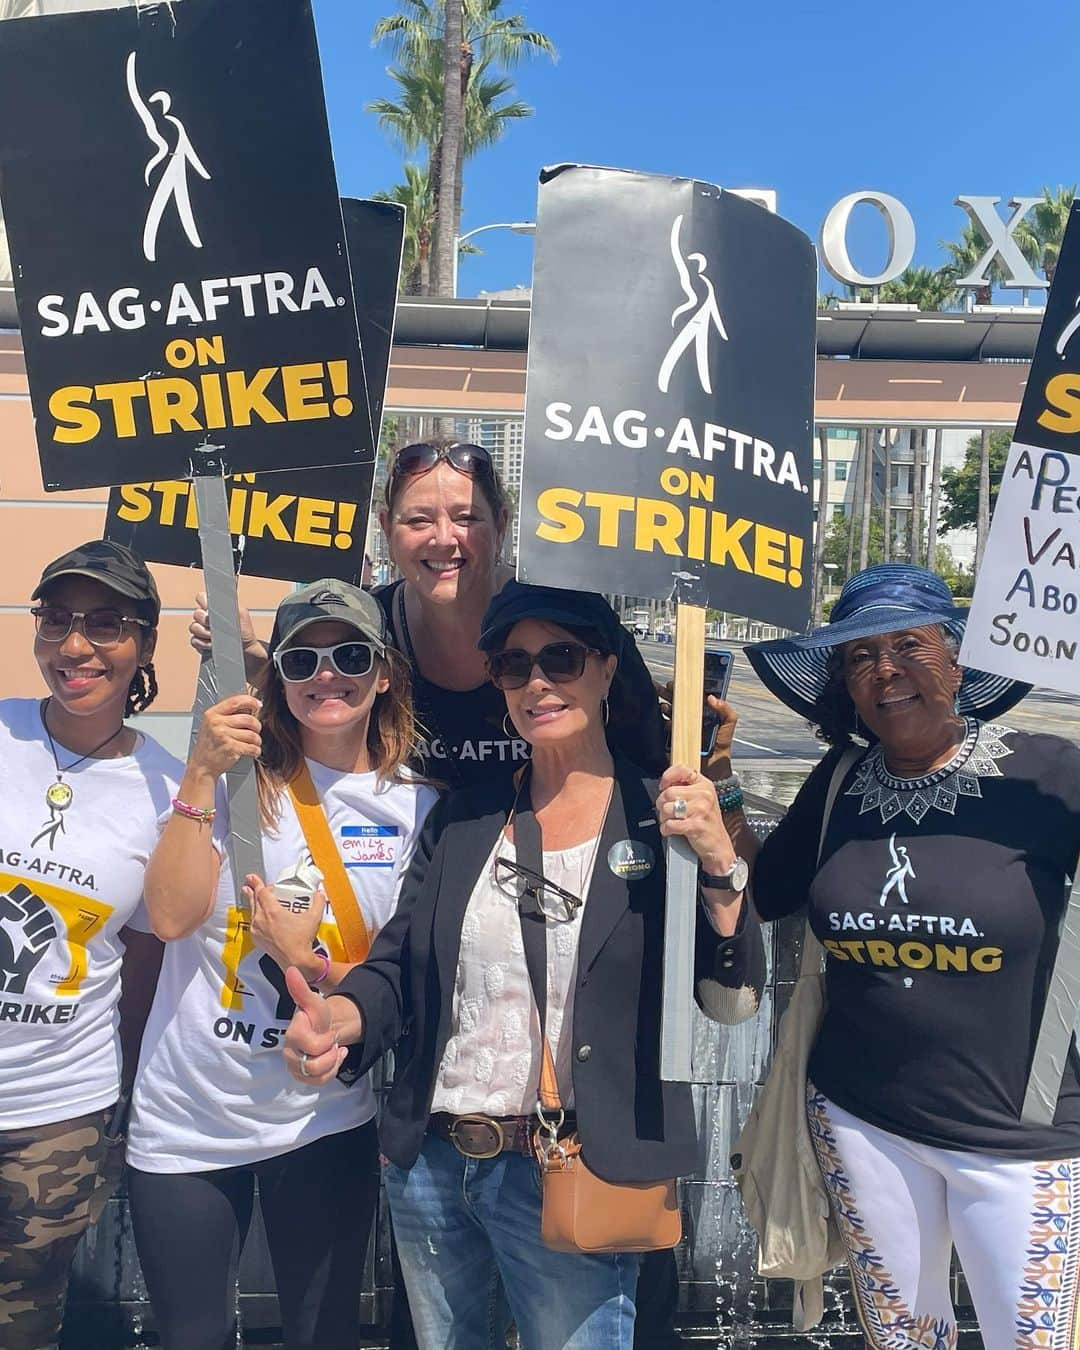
(101, 627)
(560, 662)
(534, 893)
(472, 460)
(351, 659)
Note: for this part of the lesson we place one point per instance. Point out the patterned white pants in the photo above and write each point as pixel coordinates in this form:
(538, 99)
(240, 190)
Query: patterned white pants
(901, 1208)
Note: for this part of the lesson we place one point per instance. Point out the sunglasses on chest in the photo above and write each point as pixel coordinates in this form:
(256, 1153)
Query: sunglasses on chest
(560, 662)
(351, 659)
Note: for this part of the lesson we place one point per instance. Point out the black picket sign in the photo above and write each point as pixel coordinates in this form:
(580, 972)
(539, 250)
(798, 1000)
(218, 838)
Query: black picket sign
(1050, 411)
(178, 249)
(297, 524)
(669, 413)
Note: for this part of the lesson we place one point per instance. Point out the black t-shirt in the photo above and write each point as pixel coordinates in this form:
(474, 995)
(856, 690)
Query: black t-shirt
(463, 737)
(938, 902)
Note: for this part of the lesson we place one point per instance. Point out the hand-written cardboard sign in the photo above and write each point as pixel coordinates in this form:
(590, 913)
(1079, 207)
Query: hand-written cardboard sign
(670, 395)
(180, 263)
(299, 524)
(1024, 619)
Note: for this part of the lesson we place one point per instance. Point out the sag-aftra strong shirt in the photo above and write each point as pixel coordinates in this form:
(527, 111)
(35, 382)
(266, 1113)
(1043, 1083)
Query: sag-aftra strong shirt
(938, 902)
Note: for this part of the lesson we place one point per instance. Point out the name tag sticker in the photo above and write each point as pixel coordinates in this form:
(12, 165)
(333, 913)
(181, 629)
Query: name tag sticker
(631, 859)
(369, 845)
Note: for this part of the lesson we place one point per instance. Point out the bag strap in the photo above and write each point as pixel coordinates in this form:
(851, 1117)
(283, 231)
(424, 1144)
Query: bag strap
(813, 954)
(355, 935)
(528, 847)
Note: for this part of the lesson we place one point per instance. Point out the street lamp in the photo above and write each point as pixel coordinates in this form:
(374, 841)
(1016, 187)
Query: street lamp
(830, 580)
(518, 227)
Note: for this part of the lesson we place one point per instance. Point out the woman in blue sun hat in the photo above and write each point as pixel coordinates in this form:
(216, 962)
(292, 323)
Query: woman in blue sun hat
(938, 897)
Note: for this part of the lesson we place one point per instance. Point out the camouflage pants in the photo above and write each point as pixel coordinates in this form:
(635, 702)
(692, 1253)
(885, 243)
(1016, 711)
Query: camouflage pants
(47, 1175)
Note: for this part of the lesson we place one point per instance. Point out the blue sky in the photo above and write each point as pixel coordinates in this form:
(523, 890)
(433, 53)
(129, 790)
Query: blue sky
(921, 100)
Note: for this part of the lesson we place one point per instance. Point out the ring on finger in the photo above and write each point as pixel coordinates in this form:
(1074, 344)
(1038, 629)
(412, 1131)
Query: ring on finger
(678, 808)
(302, 1056)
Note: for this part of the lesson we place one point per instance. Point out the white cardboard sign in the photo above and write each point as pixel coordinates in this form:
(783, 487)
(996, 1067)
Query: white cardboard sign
(1025, 617)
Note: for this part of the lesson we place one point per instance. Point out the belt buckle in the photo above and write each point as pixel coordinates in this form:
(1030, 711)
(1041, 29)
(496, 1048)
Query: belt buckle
(497, 1133)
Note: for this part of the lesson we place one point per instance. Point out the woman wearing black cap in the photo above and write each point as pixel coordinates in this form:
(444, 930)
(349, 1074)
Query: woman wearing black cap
(80, 794)
(938, 898)
(562, 873)
(214, 1106)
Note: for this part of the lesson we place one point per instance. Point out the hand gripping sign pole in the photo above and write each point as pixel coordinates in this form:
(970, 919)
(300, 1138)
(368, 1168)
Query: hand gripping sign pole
(226, 673)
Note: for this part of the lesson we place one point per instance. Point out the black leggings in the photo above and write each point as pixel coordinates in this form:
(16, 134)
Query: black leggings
(317, 1204)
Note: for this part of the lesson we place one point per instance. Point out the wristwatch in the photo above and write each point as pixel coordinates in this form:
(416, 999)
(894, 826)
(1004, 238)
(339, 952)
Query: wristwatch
(734, 879)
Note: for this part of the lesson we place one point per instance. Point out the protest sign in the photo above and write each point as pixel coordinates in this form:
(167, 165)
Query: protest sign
(1024, 616)
(669, 406)
(179, 255)
(299, 524)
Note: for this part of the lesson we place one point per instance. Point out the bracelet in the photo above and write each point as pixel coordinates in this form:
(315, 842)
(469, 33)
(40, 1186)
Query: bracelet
(204, 815)
(325, 970)
(732, 800)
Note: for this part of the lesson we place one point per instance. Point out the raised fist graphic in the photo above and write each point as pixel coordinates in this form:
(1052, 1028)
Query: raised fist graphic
(26, 929)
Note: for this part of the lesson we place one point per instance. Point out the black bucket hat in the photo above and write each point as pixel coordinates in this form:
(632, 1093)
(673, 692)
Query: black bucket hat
(879, 599)
(113, 564)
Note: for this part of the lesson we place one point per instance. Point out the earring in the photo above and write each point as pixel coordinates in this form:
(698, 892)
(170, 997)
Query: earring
(510, 732)
(604, 709)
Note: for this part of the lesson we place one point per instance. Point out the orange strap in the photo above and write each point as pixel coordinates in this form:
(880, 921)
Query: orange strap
(355, 937)
(549, 1082)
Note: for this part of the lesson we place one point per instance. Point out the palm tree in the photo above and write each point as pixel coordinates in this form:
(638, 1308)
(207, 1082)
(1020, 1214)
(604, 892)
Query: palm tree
(822, 526)
(869, 436)
(922, 286)
(982, 528)
(935, 502)
(415, 195)
(450, 144)
(1043, 228)
(490, 39)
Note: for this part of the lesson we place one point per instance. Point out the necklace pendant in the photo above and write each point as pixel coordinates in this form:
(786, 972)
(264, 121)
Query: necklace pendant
(58, 795)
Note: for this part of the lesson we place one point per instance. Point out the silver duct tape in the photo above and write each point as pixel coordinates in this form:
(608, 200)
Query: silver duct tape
(206, 695)
(1059, 1021)
(245, 839)
(677, 1005)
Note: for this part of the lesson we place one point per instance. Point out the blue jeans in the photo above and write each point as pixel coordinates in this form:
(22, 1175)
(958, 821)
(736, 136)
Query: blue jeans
(468, 1237)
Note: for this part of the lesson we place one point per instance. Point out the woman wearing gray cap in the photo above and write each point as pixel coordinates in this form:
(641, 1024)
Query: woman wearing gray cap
(80, 794)
(937, 891)
(559, 875)
(214, 1106)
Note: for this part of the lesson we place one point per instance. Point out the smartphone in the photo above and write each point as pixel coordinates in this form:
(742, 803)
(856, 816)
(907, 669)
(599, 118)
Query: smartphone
(718, 663)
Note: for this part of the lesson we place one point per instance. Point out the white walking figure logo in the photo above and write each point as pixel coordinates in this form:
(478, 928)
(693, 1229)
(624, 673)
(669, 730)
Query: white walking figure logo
(695, 331)
(173, 179)
(897, 875)
(1067, 332)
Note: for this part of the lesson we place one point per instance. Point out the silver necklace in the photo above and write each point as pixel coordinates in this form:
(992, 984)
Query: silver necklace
(976, 757)
(60, 795)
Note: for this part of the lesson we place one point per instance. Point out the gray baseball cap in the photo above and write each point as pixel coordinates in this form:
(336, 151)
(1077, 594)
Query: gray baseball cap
(324, 600)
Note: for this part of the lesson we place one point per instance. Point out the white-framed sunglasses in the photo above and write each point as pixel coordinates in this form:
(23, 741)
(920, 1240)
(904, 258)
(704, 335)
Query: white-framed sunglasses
(351, 659)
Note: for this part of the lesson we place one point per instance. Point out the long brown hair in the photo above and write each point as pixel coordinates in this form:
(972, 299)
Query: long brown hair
(391, 734)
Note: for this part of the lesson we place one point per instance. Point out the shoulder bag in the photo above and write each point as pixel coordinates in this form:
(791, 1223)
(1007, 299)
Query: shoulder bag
(774, 1162)
(580, 1211)
(355, 936)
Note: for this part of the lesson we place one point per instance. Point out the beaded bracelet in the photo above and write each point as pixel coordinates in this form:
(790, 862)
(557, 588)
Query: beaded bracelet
(204, 815)
(732, 800)
(325, 970)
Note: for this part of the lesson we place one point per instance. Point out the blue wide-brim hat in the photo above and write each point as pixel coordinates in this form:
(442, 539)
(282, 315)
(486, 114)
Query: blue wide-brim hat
(880, 599)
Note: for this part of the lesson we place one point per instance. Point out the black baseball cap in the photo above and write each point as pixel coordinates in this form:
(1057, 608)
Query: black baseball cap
(333, 600)
(569, 609)
(114, 565)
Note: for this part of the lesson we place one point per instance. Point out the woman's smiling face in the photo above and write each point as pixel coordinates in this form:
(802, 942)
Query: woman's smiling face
(903, 685)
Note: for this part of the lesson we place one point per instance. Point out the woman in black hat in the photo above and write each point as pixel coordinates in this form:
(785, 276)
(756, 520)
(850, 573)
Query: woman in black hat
(560, 874)
(938, 897)
(214, 1108)
(80, 795)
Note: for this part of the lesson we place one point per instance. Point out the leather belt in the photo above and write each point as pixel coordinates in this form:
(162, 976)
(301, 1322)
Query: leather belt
(480, 1136)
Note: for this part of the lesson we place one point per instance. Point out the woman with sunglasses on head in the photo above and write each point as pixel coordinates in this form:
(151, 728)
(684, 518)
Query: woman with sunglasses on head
(80, 794)
(558, 878)
(214, 1107)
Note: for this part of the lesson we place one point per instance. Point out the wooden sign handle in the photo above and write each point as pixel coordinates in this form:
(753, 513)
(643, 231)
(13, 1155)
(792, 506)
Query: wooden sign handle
(680, 916)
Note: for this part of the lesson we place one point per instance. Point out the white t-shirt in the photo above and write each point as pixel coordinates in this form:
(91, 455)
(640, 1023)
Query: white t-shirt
(491, 1063)
(69, 881)
(212, 1089)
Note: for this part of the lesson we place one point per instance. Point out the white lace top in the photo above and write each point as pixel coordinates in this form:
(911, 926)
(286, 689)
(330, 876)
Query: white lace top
(492, 1060)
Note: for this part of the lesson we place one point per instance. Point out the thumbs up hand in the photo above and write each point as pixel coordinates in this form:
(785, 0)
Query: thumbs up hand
(313, 1046)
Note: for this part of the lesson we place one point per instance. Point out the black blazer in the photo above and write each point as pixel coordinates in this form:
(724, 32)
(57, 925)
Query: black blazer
(633, 1127)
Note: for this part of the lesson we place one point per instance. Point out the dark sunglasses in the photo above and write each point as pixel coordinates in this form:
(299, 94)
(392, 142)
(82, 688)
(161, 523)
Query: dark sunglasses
(352, 659)
(101, 627)
(561, 662)
(534, 893)
(472, 460)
